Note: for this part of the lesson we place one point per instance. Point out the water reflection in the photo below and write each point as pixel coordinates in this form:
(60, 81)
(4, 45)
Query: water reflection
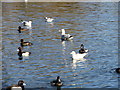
(26, 4)
(64, 53)
(50, 24)
(64, 46)
(23, 58)
(58, 88)
(30, 32)
(75, 63)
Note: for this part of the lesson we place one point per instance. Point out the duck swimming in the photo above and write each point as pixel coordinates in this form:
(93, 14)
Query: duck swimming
(25, 43)
(57, 82)
(65, 37)
(82, 49)
(19, 86)
(20, 53)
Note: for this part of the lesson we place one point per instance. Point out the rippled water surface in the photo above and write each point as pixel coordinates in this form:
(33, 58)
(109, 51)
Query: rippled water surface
(93, 24)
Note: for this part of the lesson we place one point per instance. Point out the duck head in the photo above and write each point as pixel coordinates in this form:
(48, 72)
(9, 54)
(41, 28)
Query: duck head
(82, 46)
(21, 83)
(21, 40)
(58, 79)
(19, 49)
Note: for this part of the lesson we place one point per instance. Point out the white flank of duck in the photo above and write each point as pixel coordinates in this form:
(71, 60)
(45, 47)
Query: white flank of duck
(20, 53)
(26, 54)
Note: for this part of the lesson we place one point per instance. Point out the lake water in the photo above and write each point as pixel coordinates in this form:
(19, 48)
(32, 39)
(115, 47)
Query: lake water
(93, 24)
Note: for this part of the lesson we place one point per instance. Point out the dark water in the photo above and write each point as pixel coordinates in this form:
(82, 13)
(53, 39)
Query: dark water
(93, 24)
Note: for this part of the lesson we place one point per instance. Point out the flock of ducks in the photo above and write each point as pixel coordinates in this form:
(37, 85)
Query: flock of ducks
(64, 37)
